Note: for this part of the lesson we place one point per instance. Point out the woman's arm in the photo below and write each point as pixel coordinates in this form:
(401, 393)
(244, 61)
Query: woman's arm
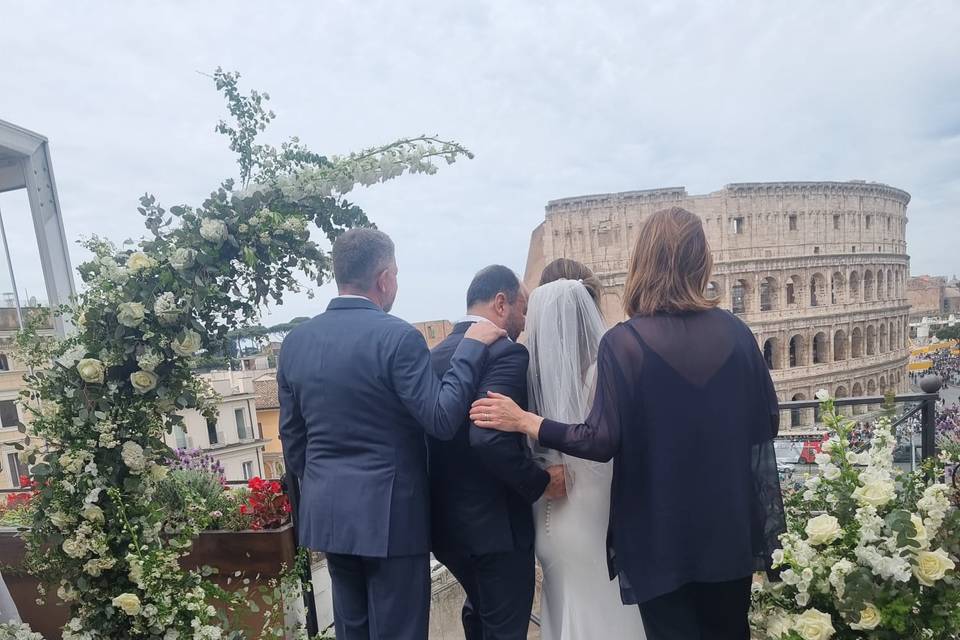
(597, 438)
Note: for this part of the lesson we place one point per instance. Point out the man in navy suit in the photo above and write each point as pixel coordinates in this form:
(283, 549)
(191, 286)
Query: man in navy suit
(357, 394)
(483, 482)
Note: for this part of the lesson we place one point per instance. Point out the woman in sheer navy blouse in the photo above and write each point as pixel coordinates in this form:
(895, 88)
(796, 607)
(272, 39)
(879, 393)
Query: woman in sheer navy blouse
(686, 409)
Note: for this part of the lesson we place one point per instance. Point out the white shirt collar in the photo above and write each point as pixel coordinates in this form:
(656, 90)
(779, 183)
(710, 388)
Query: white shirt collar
(350, 295)
(472, 318)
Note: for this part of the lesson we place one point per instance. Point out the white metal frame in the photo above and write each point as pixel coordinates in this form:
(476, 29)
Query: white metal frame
(25, 164)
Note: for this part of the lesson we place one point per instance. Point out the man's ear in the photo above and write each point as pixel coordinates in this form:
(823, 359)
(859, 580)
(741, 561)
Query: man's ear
(500, 303)
(382, 281)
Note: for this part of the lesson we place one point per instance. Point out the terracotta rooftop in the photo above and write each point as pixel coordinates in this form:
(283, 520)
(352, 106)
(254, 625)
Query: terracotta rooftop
(267, 396)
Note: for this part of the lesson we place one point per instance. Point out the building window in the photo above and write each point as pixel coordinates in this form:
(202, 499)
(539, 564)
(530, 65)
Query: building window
(853, 249)
(241, 424)
(816, 250)
(791, 294)
(4, 363)
(212, 433)
(869, 221)
(737, 226)
(247, 470)
(181, 437)
(836, 222)
(888, 224)
(16, 468)
(793, 222)
(431, 332)
(8, 414)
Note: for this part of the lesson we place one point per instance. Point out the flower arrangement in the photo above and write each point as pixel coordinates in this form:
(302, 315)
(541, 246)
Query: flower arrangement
(870, 552)
(267, 505)
(18, 631)
(197, 460)
(101, 401)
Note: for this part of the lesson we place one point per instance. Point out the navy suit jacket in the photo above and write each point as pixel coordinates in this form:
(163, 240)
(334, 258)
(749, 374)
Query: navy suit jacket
(357, 392)
(483, 481)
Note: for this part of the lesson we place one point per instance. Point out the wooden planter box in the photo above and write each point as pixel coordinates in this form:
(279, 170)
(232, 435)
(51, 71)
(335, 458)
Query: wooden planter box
(258, 555)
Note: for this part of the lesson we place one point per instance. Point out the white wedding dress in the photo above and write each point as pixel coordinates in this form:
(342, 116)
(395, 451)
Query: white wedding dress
(578, 600)
(8, 610)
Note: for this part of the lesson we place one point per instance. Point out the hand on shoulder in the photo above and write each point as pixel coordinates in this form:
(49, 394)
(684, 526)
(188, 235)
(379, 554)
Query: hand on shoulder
(485, 332)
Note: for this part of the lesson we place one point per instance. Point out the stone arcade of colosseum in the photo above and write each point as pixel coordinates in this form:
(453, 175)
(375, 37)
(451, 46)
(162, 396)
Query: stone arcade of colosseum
(817, 269)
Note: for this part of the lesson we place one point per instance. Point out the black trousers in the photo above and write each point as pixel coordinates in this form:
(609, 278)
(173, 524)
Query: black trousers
(700, 611)
(499, 589)
(380, 598)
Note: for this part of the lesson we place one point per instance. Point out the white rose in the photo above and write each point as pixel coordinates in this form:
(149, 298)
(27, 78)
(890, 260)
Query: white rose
(166, 309)
(128, 602)
(932, 566)
(93, 513)
(132, 455)
(814, 625)
(187, 344)
(60, 520)
(876, 493)
(182, 259)
(158, 472)
(869, 618)
(91, 370)
(143, 381)
(821, 459)
(138, 261)
(213, 230)
(823, 529)
(822, 395)
(131, 314)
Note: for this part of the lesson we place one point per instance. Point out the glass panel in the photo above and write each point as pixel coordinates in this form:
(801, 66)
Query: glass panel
(241, 424)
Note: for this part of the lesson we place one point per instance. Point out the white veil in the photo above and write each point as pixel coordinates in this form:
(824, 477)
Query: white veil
(564, 328)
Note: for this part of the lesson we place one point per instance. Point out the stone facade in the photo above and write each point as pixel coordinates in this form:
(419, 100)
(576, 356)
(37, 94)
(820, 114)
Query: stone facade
(818, 270)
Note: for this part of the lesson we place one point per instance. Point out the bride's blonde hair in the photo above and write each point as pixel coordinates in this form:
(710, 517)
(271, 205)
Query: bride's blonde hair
(567, 269)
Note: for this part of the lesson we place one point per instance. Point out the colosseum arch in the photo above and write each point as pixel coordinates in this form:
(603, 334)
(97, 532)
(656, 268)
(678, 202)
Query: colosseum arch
(840, 345)
(740, 297)
(796, 415)
(854, 290)
(871, 387)
(769, 294)
(883, 337)
(821, 348)
(771, 353)
(871, 340)
(856, 343)
(868, 286)
(798, 351)
(880, 289)
(818, 290)
(837, 292)
(857, 393)
(889, 284)
(793, 290)
(713, 291)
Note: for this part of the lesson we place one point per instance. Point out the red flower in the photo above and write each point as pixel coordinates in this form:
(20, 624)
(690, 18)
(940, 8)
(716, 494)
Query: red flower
(25, 481)
(267, 506)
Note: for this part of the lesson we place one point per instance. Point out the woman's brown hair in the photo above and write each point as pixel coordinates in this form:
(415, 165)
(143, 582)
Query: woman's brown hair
(670, 267)
(566, 269)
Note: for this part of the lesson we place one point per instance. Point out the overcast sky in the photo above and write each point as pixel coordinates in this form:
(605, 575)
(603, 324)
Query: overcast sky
(555, 98)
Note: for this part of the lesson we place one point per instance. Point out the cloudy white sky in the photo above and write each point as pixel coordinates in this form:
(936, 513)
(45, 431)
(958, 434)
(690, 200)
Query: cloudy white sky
(555, 98)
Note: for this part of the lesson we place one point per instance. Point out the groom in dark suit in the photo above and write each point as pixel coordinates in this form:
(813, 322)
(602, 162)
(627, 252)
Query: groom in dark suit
(483, 482)
(357, 394)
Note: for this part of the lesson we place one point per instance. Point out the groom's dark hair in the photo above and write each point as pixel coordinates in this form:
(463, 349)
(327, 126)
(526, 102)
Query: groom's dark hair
(359, 256)
(491, 281)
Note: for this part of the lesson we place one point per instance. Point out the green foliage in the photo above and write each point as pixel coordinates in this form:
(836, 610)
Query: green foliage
(948, 333)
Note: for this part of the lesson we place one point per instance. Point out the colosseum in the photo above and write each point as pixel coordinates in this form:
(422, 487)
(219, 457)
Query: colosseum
(818, 270)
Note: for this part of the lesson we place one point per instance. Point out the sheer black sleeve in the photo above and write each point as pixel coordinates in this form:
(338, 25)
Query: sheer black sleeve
(598, 438)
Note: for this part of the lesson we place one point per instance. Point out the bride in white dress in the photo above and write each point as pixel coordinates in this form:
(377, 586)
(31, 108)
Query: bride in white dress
(579, 601)
(8, 610)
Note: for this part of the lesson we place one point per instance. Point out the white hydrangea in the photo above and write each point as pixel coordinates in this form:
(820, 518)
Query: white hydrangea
(149, 360)
(131, 314)
(166, 308)
(213, 230)
(182, 259)
(132, 454)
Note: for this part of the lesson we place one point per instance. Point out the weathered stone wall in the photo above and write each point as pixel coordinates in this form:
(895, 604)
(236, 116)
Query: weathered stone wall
(818, 270)
(925, 295)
